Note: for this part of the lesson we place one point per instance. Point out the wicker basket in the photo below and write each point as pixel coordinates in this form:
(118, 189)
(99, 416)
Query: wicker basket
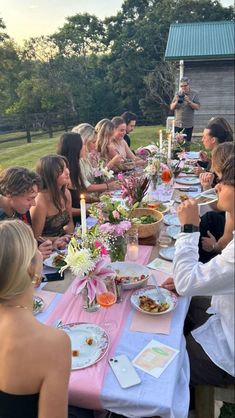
(147, 230)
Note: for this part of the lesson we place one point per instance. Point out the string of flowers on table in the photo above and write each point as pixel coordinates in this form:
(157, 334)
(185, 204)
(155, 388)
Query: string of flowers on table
(86, 260)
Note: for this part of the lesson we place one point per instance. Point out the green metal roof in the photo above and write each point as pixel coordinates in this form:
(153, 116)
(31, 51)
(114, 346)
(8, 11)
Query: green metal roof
(191, 41)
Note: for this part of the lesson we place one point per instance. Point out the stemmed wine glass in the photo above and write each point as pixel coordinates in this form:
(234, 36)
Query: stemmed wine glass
(166, 177)
(107, 298)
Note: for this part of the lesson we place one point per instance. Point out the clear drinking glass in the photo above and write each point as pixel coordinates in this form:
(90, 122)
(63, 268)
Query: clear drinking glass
(107, 297)
(132, 245)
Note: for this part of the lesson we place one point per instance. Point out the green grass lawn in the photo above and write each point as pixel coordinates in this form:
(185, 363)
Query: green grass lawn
(21, 153)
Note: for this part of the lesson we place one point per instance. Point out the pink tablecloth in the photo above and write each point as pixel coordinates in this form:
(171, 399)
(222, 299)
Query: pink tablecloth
(85, 385)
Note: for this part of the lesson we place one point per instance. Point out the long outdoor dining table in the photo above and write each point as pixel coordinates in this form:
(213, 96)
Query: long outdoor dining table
(96, 386)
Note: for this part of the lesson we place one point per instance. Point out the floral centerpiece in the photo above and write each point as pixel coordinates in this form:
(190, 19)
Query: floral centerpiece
(152, 170)
(102, 173)
(86, 260)
(133, 188)
(113, 222)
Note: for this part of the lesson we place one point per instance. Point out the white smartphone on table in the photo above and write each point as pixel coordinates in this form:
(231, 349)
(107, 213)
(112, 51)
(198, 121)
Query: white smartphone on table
(124, 371)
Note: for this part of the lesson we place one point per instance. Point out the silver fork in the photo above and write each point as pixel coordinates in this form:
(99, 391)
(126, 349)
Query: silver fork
(160, 296)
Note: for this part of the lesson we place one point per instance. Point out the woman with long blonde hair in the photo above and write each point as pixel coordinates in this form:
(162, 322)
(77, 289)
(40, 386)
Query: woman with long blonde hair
(104, 137)
(89, 160)
(35, 359)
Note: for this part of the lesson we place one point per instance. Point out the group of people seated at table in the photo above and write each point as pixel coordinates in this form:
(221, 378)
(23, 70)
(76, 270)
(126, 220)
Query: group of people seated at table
(50, 198)
(37, 385)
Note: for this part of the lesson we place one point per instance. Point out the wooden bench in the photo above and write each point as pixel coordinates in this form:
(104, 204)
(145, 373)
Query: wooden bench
(205, 397)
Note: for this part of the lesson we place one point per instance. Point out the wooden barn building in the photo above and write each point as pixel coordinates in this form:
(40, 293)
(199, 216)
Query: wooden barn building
(205, 52)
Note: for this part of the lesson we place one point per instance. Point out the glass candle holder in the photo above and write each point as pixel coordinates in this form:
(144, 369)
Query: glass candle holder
(132, 246)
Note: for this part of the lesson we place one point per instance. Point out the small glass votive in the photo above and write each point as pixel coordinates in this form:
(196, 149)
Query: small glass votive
(132, 246)
(164, 240)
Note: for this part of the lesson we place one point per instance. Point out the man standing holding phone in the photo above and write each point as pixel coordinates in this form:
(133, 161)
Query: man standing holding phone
(184, 103)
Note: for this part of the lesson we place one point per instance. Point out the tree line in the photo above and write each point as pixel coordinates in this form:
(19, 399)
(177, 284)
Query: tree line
(94, 68)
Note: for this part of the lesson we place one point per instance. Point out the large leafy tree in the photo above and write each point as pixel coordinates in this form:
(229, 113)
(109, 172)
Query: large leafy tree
(137, 38)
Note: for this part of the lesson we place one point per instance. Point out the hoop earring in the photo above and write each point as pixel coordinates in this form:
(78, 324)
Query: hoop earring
(37, 280)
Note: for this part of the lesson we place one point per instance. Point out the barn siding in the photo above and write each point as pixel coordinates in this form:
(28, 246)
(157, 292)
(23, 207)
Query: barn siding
(214, 82)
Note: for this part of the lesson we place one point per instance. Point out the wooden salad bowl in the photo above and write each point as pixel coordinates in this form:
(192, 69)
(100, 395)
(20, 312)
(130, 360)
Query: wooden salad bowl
(147, 230)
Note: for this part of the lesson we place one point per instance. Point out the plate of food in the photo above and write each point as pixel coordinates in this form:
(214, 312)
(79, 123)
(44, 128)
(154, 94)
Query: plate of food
(173, 231)
(131, 275)
(167, 253)
(38, 305)
(159, 206)
(146, 301)
(171, 219)
(89, 343)
(188, 169)
(181, 197)
(190, 181)
(207, 197)
(55, 260)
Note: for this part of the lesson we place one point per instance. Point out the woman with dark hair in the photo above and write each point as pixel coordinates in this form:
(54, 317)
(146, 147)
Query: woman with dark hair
(72, 147)
(52, 215)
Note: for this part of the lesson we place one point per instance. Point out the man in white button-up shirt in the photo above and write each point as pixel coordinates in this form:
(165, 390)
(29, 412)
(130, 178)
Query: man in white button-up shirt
(211, 344)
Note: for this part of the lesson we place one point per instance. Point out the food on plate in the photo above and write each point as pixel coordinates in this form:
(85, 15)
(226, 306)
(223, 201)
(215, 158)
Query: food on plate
(75, 353)
(157, 205)
(144, 220)
(89, 341)
(184, 197)
(129, 279)
(58, 261)
(187, 169)
(150, 305)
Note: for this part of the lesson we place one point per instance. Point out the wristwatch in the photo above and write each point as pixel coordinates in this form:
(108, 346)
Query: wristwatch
(189, 228)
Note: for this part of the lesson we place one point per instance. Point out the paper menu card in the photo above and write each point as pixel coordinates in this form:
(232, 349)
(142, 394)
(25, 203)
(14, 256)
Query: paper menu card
(162, 265)
(155, 358)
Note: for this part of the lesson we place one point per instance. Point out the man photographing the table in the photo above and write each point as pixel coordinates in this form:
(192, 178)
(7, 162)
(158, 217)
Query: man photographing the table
(184, 103)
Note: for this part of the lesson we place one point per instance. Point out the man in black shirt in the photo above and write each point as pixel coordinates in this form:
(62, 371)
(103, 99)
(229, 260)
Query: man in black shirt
(130, 120)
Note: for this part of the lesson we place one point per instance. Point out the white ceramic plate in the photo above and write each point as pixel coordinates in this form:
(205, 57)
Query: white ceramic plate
(167, 253)
(83, 354)
(49, 262)
(151, 292)
(132, 273)
(171, 219)
(173, 231)
(192, 155)
(38, 305)
(190, 181)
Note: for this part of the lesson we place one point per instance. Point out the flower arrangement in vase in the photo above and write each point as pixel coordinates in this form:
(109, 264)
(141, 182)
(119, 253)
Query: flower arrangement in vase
(152, 170)
(102, 173)
(113, 222)
(134, 188)
(86, 260)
